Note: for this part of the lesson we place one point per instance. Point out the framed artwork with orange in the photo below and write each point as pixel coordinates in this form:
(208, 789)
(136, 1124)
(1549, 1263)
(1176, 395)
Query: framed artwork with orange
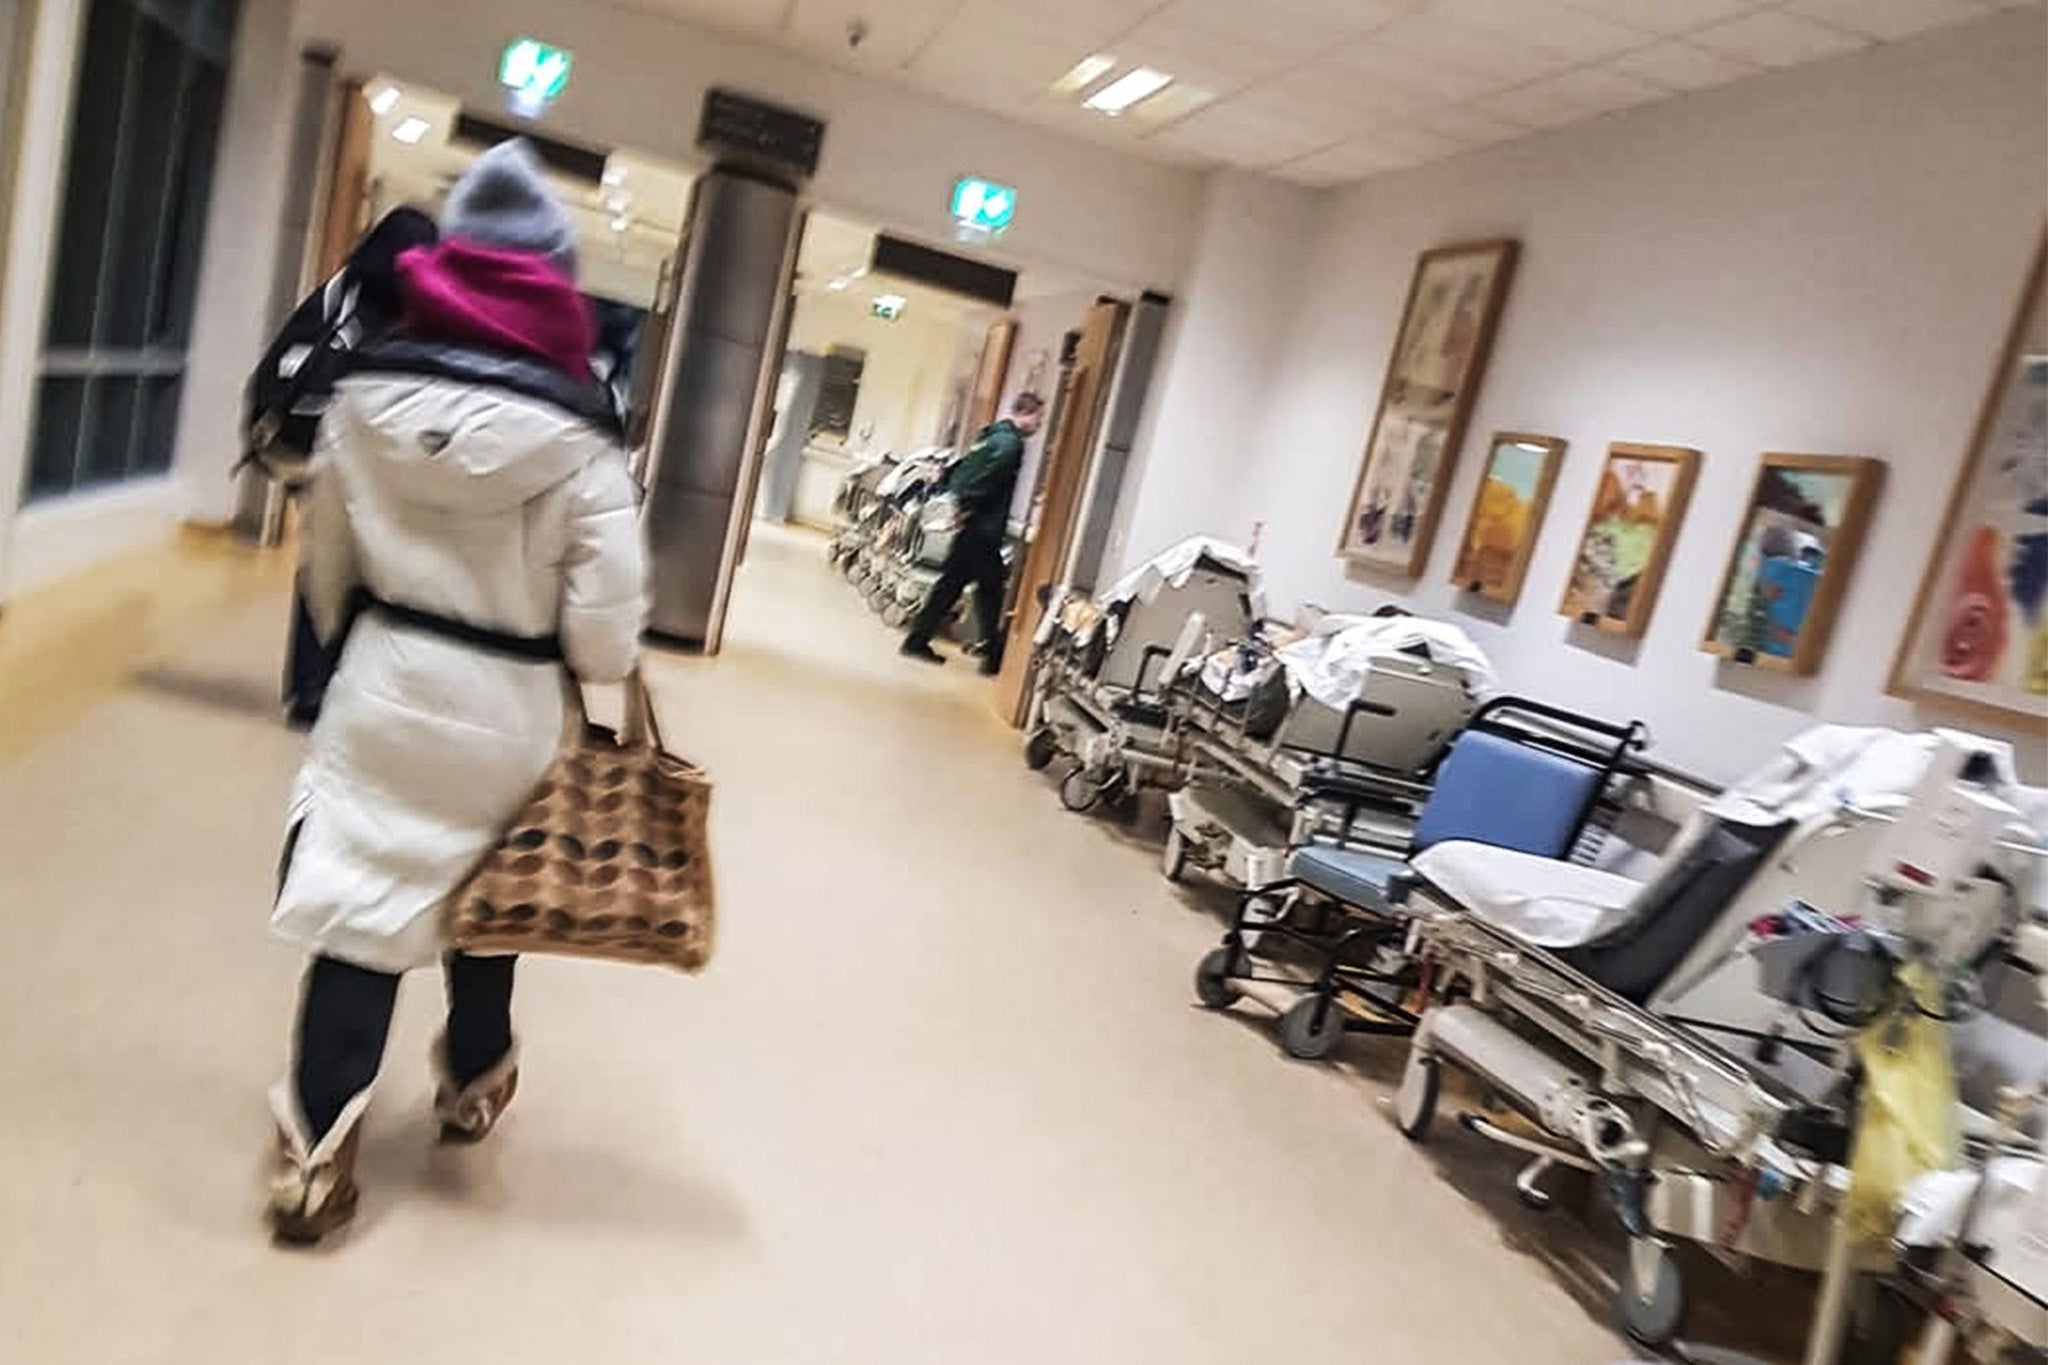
(1637, 507)
(1507, 512)
(1977, 641)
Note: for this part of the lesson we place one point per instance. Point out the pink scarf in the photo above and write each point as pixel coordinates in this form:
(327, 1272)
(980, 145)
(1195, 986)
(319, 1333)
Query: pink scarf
(476, 295)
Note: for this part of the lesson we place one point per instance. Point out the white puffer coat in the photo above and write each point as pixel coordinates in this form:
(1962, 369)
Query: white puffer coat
(493, 492)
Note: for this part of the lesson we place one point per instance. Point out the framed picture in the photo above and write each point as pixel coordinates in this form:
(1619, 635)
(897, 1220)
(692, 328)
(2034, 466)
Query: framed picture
(1447, 327)
(1637, 508)
(1507, 512)
(1801, 529)
(1978, 636)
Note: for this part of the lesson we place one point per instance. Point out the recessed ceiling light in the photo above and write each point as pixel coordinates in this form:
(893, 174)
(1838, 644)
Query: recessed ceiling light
(621, 222)
(383, 99)
(412, 130)
(1084, 73)
(1126, 90)
(614, 175)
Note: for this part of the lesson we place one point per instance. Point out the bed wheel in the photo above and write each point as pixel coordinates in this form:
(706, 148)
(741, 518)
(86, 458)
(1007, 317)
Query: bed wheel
(1173, 859)
(896, 615)
(1039, 750)
(1079, 792)
(1121, 798)
(1652, 1293)
(1312, 1028)
(1877, 1326)
(1213, 984)
(1415, 1101)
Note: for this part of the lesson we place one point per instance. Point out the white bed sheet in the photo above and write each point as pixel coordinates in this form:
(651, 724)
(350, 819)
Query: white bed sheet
(1542, 901)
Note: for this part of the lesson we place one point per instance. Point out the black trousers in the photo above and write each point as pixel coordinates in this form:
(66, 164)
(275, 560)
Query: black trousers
(345, 1017)
(977, 558)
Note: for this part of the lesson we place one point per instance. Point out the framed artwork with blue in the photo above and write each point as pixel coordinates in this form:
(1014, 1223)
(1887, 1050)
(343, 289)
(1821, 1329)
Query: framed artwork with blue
(1794, 555)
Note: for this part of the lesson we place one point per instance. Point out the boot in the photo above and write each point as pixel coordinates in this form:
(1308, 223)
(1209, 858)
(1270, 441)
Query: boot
(469, 1112)
(312, 1184)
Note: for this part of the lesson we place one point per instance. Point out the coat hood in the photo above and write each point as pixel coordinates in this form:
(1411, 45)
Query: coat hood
(464, 431)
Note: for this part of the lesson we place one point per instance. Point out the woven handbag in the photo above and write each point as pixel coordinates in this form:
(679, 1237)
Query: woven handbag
(610, 859)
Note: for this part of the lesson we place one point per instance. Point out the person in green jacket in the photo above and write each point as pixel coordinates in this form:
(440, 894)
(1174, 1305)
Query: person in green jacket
(983, 483)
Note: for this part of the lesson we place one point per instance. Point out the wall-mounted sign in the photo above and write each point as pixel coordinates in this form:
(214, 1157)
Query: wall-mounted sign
(534, 75)
(888, 307)
(982, 208)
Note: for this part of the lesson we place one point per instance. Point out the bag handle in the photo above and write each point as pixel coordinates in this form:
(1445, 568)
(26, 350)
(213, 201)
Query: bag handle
(641, 729)
(638, 730)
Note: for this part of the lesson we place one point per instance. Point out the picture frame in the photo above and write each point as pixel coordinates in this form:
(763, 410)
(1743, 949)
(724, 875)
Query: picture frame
(1976, 641)
(1507, 515)
(1638, 506)
(1432, 379)
(1795, 552)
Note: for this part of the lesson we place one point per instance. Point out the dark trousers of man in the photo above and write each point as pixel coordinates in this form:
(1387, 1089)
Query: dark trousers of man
(977, 558)
(345, 1017)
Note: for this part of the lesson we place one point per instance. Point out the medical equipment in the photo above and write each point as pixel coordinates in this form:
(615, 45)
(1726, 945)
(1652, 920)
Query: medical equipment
(1372, 697)
(1693, 1038)
(1104, 667)
(1975, 1243)
(1522, 775)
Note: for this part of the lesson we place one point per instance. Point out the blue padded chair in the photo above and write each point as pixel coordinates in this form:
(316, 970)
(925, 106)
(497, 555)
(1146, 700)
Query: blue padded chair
(1491, 788)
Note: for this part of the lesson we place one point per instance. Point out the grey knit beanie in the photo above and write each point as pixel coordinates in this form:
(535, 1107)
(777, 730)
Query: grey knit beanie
(502, 201)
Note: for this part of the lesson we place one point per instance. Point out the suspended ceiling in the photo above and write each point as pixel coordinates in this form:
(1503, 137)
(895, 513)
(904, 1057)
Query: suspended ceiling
(1324, 92)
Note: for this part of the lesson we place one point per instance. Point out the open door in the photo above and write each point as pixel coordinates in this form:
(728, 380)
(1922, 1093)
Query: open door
(986, 402)
(1069, 447)
(348, 182)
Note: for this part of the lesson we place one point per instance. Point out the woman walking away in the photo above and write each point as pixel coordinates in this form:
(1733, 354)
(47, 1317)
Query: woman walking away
(473, 514)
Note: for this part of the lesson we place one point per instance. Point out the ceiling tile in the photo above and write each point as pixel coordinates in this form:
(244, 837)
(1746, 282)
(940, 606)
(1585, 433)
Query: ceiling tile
(1221, 48)
(1241, 136)
(1667, 16)
(747, 16)
(1773, 38)
(895, 32)
(1469, 127)
(1678, 65)
(1444, 62)
(1336, 80)
(1544, 24)
(1571, 96)
(1889, 20)
(1385, 149)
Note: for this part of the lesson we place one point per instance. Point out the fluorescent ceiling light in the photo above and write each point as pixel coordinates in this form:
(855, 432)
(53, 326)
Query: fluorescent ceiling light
(412, 130)
(891, 301)
(383, 101)
(1083, 74)
(614, 175)
(1126, 90)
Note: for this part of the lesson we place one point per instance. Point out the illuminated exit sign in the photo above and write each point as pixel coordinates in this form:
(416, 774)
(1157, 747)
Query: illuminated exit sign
(982, 206)
(534, 75)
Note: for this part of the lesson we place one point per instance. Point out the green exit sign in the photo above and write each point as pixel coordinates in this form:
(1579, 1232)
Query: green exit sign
(533, 74)
(888, 307)
(983, 204)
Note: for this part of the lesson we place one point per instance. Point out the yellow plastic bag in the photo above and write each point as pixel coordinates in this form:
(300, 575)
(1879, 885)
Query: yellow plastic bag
(1908, 1125)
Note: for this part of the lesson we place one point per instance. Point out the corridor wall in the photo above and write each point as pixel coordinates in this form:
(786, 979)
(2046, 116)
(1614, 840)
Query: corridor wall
(1822, 260)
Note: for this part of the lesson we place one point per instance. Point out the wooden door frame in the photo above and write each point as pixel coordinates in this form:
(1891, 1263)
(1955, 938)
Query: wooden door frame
(1069, 454)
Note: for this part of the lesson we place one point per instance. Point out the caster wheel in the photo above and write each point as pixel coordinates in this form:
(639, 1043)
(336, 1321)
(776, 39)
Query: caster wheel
(1415, 1101)
(1878, 1327)
(1039, 750)
(1304, 1035)
(895, 616)
(1652, 1294)
(1213, 984)
(1173, 860)
(1120, 798)
(1079, 792)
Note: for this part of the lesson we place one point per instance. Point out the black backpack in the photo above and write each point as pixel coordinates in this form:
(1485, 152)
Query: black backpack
(294, 382)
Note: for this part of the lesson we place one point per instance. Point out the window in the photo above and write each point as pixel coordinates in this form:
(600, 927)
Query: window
(145, 126)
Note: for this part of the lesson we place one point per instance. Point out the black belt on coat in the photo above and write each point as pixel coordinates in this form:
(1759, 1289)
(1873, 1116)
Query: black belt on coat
(540, 649)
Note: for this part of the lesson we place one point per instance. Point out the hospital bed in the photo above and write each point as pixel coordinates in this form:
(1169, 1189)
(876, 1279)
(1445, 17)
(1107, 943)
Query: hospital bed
(1522, 775)
(1693, 1037)
(1104, 669)
(1383, 720)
